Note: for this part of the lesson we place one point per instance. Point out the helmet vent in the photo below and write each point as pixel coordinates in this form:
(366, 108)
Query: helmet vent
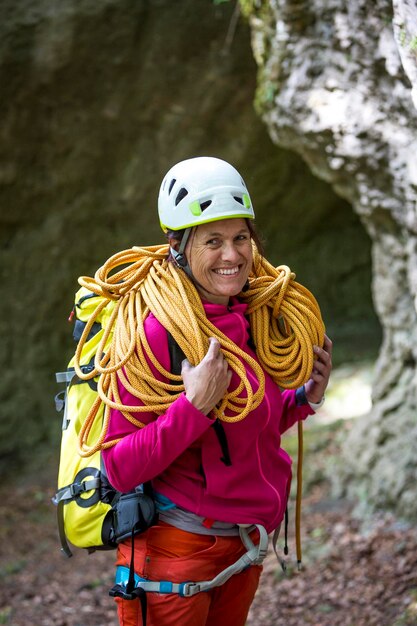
(238, 199)
(205, 205)
(171, 184)
(181, 195)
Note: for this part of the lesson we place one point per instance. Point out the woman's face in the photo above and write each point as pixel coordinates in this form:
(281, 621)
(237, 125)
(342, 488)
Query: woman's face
(220, 257)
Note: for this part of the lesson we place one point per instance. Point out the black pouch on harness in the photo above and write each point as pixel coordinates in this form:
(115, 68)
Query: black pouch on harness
(133, 512)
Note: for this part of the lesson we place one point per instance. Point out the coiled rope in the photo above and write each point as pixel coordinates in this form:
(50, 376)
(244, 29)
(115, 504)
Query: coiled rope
(285, 323)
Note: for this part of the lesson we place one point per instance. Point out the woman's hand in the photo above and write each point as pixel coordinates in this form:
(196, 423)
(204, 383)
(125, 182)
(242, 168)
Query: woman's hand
(316, 385)
(206, 383)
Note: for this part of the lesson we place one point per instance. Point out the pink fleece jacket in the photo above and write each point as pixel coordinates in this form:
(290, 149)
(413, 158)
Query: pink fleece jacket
(180, 453)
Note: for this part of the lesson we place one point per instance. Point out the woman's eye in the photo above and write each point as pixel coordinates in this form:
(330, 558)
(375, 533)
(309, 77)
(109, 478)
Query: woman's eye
(213, 242)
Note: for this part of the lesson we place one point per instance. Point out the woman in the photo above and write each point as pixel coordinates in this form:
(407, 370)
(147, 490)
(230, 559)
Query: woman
(208, 480)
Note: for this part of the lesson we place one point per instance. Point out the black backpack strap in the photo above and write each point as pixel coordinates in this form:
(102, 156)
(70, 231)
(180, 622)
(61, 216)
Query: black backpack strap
(177, 356)
(250, 341)
(130, 591)
(221, 436)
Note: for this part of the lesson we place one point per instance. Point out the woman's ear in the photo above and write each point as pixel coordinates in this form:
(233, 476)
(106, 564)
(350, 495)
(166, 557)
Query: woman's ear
(174, 243)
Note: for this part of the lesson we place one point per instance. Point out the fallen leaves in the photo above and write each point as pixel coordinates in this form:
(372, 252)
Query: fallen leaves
(354, 573)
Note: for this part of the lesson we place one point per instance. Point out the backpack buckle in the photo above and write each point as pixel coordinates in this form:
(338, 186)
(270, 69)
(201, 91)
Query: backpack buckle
(119, 591)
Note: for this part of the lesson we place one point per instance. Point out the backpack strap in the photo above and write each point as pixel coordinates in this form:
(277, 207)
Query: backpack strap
(73, 492)
(65, 549)
(177, 356)
(221, 436)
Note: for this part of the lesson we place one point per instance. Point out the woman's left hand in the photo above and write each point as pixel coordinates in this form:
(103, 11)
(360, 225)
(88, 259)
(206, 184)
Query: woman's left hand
(318, 381)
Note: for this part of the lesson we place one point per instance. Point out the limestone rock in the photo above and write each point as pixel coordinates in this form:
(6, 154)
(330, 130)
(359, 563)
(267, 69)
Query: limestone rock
(334, 85)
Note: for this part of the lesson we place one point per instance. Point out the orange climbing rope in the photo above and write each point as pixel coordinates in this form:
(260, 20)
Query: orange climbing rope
(285, 323)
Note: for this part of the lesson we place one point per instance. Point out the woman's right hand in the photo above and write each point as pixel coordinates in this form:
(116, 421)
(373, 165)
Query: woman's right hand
(206, 383)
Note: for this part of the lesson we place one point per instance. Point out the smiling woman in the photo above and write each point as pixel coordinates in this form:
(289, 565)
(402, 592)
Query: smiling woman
(212, 452)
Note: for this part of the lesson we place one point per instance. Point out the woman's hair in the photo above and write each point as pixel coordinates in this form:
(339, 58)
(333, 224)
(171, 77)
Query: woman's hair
(256, 238)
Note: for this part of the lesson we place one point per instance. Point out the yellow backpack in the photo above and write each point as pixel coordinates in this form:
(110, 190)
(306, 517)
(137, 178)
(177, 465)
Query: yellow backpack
(91, 513)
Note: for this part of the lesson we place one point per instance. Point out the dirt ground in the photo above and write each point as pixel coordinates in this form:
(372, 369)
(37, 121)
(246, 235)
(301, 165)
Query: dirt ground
(354, 574)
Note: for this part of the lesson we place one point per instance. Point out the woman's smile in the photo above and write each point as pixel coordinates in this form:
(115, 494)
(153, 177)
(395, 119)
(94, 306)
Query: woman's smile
(227, 271)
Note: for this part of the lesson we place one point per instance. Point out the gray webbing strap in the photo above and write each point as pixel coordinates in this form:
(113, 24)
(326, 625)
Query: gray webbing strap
(254, 556)
(65, 377)
(72, 491)
(280, 560)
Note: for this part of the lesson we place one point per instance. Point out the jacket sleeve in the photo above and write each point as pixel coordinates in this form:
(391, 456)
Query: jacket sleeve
(143, 453)
(292, 412)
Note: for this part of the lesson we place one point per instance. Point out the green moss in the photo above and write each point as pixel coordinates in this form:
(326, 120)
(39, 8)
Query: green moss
(247, 7)
(265, 95)
(254, 7)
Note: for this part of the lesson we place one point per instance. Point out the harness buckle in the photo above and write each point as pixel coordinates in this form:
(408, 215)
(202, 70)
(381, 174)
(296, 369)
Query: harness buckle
(119, 591)
(189, 589)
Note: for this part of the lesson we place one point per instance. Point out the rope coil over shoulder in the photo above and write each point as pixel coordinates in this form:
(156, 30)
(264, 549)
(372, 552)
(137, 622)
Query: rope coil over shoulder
(285, 323)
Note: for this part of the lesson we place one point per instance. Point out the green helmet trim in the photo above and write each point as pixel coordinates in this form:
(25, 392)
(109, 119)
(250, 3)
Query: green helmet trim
(217, 218)
(246, 201)
(195, 208)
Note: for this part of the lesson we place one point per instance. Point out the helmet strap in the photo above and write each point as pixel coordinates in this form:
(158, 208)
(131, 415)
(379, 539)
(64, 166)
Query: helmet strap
(179, 255)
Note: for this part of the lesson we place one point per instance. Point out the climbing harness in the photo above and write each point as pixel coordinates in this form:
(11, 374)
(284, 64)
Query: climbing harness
(129, 586)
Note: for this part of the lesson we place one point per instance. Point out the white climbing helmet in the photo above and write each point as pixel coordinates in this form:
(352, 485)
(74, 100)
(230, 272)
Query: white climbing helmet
(201, 190)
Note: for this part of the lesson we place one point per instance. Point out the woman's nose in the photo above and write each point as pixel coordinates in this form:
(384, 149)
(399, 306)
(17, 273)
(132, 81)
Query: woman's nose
(230, 252)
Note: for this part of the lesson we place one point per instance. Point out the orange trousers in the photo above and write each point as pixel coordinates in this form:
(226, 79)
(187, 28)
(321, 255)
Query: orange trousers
(167, 553)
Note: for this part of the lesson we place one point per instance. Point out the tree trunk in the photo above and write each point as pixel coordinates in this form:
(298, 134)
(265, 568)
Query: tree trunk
(336, 85)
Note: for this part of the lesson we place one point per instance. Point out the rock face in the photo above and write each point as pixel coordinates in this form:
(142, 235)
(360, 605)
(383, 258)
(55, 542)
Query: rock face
(98, 100)
(332, 87)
